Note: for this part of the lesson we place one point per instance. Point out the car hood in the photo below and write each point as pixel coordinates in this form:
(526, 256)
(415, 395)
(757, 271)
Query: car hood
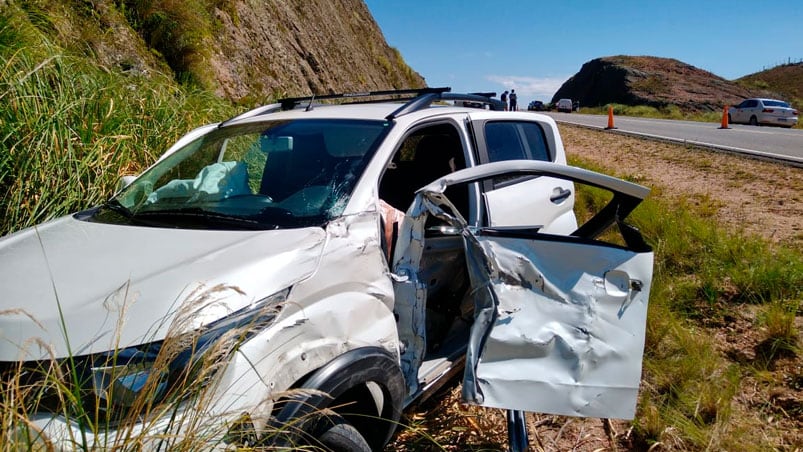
(78, 287)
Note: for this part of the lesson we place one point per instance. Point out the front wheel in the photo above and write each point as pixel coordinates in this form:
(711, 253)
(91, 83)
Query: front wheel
(335, 434)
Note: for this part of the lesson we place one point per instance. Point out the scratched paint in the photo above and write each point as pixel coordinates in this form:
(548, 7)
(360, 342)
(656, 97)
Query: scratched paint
(559, 321)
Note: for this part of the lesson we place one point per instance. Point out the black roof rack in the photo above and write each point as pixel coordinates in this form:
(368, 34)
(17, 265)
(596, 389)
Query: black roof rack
(421, 102)
(416, 99)
(291, 102)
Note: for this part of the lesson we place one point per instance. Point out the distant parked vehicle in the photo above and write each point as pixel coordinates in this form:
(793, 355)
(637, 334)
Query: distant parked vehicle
(536, 105)
(565, 105)
(758, 111)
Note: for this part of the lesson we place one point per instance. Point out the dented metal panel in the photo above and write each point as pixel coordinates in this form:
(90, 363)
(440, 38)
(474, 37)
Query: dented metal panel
(559, 321)
(411, 292)
(569, 327)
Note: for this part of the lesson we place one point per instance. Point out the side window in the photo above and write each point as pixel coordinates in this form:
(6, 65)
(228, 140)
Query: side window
(504, 142)
(536, 142)
(510, 140)
(425, 155)
(515, 141)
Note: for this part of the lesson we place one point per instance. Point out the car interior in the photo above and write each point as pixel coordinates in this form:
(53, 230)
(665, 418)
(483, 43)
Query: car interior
(426, 155)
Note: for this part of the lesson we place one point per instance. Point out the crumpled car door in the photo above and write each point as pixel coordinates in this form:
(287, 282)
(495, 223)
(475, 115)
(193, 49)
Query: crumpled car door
(560, 320)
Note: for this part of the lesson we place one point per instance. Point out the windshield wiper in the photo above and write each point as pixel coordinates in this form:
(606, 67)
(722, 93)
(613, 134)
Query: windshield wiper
(115, 205)
(196, 213)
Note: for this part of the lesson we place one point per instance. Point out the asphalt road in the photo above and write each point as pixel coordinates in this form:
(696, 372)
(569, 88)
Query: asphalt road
(772, 143)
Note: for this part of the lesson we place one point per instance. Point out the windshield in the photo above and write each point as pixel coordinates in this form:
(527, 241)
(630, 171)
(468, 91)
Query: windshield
(269, 175)
(775, 103)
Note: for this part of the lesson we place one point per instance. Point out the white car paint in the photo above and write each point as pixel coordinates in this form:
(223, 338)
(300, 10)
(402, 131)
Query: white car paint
(761, 111)
(79, 287)
(84, 276)
(560, 323)
(316, 323)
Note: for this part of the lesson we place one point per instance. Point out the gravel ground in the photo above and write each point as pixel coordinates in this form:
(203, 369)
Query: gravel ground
(750, 196)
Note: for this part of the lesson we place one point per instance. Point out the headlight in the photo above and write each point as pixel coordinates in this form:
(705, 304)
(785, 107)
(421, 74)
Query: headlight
(171, 369)
(122, 377)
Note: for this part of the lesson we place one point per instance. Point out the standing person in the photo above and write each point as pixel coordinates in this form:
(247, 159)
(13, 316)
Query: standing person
(504, 99)
(513, 106)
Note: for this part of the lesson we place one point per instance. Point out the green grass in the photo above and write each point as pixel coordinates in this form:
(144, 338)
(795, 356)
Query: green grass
(181, 31)
(70, 129)
(668, 112)
(703, 274)
(644, 111)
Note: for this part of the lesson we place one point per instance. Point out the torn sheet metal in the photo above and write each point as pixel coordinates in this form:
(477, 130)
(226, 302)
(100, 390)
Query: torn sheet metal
(568, 328)
(411, 292)
(560, 321)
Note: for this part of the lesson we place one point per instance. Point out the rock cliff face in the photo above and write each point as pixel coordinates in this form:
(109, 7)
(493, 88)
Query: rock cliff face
(653, 81)
(245, 50)
(304, 47)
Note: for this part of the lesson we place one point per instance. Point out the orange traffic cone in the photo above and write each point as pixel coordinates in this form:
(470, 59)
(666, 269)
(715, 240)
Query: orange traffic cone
(610, 118)
(724, 118)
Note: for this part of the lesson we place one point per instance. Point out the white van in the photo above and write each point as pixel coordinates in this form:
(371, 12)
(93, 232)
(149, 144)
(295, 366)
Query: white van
(565, 105)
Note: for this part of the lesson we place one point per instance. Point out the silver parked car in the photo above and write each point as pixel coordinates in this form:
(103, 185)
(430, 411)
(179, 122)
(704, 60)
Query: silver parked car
(763, 112)
(323, 267)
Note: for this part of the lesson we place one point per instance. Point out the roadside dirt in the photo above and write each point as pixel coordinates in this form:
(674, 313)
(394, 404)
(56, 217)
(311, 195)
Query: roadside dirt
(745, 196)
(749, 196)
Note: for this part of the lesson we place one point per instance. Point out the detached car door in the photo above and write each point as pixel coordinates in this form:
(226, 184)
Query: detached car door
(524, 199)
(560, 319)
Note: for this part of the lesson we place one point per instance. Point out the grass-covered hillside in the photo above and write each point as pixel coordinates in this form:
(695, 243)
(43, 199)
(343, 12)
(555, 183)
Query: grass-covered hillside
(70, 126)
(786, 80)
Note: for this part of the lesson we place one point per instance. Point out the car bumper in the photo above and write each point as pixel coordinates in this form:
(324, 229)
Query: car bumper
(55, 432)
(47, 431)
(787, 121)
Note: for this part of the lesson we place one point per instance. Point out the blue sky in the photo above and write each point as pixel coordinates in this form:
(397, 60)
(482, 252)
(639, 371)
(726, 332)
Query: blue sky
(536, 45)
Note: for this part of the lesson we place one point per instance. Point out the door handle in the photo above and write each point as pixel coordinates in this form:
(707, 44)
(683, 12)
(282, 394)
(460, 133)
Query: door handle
(559, 194)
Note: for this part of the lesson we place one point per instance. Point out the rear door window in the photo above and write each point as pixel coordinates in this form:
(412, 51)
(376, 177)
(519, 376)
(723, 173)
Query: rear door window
(515, 141)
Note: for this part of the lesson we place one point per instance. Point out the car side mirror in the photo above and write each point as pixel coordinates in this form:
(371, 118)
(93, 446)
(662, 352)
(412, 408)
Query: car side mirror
(125, 181)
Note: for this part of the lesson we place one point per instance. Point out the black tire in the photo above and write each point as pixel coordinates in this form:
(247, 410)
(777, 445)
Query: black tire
(753, 121)
(729, 118)
(343, 378)
(340, 436)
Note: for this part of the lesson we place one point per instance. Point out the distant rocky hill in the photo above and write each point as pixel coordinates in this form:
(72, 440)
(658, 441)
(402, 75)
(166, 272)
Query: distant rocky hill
(653, 81)
(240, 49)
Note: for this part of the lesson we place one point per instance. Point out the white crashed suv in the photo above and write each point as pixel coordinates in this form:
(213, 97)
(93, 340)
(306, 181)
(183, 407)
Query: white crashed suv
(301, 273)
